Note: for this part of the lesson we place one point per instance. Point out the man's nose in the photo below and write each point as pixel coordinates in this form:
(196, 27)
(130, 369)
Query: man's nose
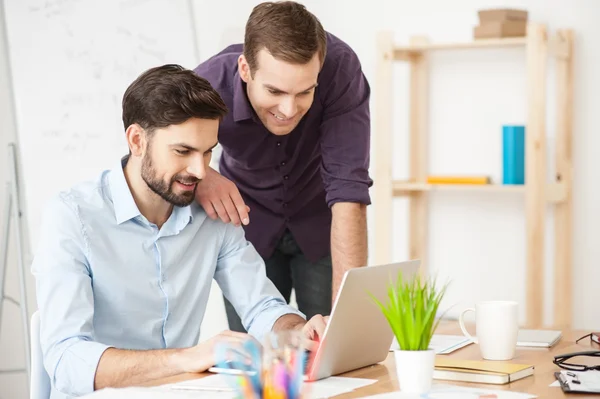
(196, 168)
(288, 107)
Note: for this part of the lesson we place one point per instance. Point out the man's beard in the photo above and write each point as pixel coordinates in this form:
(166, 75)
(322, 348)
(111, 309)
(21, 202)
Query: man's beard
(165, 190)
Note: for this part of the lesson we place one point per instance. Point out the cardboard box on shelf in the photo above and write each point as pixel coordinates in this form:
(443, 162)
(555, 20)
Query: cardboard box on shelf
(502, 14)
(500, 29)
(501, 22)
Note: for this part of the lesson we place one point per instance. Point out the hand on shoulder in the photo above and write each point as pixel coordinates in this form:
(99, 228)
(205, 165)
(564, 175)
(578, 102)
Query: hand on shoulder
(220, 198)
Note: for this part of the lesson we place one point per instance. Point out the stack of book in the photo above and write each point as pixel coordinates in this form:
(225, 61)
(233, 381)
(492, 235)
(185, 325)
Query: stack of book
(501, 22)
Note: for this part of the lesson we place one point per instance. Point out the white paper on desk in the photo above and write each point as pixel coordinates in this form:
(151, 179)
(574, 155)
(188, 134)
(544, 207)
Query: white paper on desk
(442, 344)
(454, 392)
(161, 392)
(216, 382)
(334, 386)
(324, 388)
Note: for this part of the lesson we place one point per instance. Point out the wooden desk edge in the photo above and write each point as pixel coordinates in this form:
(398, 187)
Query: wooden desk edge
(385, 372)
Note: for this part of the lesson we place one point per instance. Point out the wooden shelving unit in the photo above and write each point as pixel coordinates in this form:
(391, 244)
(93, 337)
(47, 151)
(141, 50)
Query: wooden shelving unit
(538, 191)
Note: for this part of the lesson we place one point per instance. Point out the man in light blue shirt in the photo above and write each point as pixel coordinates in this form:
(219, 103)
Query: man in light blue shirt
(125, 262)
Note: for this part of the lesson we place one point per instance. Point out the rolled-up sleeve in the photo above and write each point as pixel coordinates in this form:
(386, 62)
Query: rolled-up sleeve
(346, 132)
(241, 275)
(65, 300)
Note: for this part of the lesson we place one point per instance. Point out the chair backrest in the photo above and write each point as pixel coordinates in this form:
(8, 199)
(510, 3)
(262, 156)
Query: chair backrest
(39, 386)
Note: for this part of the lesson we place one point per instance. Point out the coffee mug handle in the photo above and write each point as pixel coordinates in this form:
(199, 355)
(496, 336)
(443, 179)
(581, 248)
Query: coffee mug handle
(462, 324)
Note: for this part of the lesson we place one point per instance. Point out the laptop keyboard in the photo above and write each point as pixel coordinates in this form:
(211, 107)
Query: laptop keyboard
(306, 361)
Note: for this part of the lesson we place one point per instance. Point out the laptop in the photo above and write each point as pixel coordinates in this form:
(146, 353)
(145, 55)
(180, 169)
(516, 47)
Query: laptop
(358, 334)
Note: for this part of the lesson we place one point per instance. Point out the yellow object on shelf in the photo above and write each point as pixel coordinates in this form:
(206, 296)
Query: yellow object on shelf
(458, 180)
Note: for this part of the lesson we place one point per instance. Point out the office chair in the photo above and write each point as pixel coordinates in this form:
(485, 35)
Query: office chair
(39, 386)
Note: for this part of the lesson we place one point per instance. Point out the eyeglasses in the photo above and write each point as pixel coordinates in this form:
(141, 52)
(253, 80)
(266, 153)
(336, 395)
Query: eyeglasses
(561, 361)
(594, 336)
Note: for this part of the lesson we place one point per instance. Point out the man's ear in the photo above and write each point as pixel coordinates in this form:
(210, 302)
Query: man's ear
(136, 139)
(244, 68)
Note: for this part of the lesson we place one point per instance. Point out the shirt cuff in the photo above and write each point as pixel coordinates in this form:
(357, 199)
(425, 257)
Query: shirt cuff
(348, 192)
(264, 323)
(76, 370)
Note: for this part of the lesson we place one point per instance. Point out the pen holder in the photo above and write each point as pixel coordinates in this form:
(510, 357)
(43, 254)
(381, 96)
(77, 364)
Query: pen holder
(274, 370)
(284, 357)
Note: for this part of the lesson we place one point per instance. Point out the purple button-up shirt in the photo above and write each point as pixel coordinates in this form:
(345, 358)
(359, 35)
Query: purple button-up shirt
(292, 181)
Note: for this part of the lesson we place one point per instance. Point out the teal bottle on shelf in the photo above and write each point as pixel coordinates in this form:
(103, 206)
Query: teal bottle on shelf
(513, 154)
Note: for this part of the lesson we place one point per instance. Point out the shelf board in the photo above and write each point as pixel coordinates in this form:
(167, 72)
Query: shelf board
(554, 192)
(403, 187)
(400, 52)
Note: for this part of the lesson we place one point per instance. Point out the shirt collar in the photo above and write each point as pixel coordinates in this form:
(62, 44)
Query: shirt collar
(179, 218)
(184, 216)
(124, 204)
(242, 109)
(125, 207)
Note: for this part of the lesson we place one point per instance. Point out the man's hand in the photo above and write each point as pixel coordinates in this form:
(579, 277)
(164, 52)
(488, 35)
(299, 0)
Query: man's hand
(314, 330)
(202, 356)
(221, 198)
(315, 327)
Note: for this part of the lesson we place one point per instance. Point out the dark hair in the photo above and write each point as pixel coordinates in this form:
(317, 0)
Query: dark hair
(170, 95)
(287, 30)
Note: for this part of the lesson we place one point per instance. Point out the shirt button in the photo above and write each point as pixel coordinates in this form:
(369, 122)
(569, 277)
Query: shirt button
(282, 163)
(279, 144)
(286, 177)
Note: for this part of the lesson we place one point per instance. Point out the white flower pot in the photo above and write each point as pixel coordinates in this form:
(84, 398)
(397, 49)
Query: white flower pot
(415, 370)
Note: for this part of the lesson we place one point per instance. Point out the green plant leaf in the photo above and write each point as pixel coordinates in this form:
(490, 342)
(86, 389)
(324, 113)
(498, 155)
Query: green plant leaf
(411, 309)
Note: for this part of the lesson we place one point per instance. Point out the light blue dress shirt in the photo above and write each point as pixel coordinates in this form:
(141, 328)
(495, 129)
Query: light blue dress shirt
(105, 277)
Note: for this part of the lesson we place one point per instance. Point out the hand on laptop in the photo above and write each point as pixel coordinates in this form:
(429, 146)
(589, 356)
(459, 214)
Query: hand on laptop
(314, 330)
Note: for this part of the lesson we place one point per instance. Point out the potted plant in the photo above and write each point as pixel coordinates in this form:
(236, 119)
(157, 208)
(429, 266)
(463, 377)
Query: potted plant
(411, 311)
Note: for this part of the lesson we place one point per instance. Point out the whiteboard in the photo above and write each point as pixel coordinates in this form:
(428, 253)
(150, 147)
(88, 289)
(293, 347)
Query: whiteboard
(71, 62)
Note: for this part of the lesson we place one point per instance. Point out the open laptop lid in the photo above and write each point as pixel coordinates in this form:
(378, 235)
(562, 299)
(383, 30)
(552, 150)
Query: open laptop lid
(358, 335)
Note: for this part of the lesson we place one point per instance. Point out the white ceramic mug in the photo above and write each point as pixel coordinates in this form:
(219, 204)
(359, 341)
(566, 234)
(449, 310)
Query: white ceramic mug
(497, 328)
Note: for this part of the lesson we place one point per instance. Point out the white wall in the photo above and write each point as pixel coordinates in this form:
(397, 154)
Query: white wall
(472, 94)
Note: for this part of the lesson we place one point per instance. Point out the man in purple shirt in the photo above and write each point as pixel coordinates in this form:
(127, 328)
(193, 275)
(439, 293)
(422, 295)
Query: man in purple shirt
(295, 152)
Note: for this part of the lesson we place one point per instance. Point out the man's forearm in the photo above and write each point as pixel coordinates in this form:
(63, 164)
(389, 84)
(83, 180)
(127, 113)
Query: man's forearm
(120, 368)
(348, 240)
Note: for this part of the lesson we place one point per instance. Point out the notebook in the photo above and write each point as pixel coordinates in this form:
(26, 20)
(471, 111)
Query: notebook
(485, 372)
(538, 338)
